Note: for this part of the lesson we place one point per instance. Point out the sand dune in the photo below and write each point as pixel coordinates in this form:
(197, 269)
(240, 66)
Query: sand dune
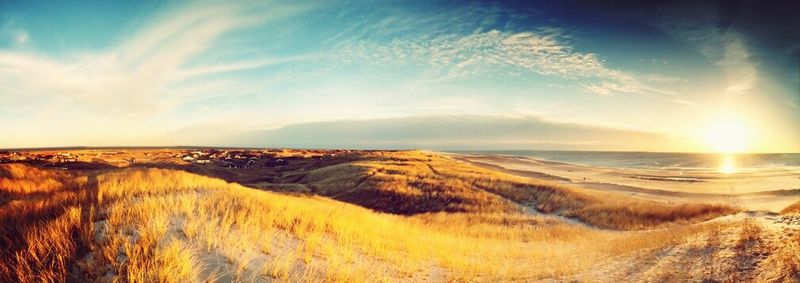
(366, 216)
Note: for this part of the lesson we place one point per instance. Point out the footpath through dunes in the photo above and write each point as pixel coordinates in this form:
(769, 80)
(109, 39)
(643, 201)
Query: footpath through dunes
(145, 224)
(747, 247)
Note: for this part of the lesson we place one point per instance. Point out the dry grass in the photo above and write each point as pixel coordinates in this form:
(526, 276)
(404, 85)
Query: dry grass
(749, 235)
(42, 225)
(18, 180)
(417, 182)
(783, 261)
(787, 259)
(462, 224)
(792, 209)
(632, 215)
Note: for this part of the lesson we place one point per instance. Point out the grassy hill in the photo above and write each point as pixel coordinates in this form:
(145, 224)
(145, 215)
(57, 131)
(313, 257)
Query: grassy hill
(792, 209)
(385, 216)
(413, 182)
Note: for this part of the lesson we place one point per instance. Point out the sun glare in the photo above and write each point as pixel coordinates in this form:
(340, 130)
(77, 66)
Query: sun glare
(728, 165)
(727, 136)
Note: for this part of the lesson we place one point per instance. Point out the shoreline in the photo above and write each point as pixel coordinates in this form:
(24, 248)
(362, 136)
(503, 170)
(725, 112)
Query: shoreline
(769, 190)
(712, 170)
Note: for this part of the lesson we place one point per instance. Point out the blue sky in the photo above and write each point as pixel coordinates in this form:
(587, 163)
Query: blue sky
(214, 73)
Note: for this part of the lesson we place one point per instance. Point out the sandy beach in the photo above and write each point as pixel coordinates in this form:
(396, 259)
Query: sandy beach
(762, 190)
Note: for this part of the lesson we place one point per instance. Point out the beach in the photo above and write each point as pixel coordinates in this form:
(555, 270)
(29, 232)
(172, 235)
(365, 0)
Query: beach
(770, 189)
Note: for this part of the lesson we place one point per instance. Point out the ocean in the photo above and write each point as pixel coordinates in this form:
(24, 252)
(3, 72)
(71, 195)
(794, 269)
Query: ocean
(660, 160)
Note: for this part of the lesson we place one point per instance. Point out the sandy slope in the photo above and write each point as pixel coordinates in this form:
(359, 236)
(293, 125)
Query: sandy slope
(747, 247)
(768, 190)
(741, 251)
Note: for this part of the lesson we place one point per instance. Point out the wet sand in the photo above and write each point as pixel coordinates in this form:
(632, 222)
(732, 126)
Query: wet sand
(762, 190)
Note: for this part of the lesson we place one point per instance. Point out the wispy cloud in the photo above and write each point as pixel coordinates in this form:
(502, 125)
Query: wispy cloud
(740, 71)
(12, 34)
(607, 88)
(138, 75)
(496, 53)
(21, 37)
(237, 66)
(725, 47)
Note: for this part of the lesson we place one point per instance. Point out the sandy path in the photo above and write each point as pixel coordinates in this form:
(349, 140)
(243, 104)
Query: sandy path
(738, 253)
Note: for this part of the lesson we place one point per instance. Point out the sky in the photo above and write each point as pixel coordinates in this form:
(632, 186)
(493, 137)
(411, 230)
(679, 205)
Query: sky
(574, 75)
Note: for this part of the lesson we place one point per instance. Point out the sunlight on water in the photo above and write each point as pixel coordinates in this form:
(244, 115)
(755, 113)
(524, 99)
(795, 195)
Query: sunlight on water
(728, 165)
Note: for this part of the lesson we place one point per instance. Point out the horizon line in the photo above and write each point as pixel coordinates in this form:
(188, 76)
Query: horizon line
(46, 148)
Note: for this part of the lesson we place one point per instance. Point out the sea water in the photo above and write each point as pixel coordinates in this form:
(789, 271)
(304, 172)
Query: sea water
(662, 160)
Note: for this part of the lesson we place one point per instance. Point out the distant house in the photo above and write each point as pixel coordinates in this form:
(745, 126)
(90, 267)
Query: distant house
(188, 158)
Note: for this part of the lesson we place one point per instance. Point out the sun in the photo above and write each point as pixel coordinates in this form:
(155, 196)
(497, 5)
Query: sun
(729, 135)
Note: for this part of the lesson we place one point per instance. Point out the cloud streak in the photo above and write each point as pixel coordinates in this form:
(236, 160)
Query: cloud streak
(496, 53)
(739, 70)
(138, 76)
(724, 46)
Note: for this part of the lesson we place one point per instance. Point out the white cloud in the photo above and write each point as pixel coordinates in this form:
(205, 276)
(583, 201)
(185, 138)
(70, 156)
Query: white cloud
(21, 37)
(454, 56)
(237, 66)
(11, 33)
(606, 88)
(727, 48)
(686, 103)
(740, 72)
(137, 76)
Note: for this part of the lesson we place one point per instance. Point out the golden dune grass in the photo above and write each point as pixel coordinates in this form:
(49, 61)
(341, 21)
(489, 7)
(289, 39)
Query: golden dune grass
(787, 259)
(147, 225)
(157, 223)
(40, 234)
(417, 182)
(22, 179)
(792, 209)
